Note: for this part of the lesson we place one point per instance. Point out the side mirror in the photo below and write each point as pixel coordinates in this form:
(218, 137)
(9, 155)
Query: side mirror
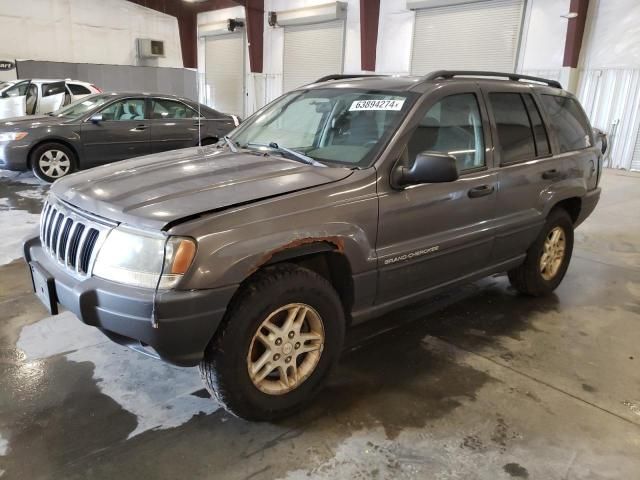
(428, 167)
(97, 118)
(601, 140)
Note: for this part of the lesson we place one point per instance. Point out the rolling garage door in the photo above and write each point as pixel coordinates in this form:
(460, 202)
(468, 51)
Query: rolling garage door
(312, 51)
(474, 36)
(635, 160)
(224, 72)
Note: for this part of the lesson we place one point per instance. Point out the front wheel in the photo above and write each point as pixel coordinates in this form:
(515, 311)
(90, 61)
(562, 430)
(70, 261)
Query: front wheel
(548, 258)
(51, 161)
(279, 340)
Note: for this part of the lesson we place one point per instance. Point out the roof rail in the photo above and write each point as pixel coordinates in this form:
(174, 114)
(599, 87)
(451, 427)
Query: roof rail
(471, 73)
(340, 76)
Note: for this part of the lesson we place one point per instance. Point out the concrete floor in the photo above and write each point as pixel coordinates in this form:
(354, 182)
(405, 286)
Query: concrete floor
(480, 383)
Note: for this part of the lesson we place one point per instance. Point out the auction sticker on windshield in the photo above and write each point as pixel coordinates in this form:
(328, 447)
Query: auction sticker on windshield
(360, 105)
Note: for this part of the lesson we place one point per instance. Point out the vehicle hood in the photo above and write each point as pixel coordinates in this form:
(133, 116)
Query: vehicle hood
(155, 190)
(28, 122)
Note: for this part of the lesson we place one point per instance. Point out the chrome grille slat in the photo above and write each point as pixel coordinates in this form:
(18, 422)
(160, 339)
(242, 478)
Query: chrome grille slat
(68, 254)
(83, 238)
(70, 237)
(55, 236)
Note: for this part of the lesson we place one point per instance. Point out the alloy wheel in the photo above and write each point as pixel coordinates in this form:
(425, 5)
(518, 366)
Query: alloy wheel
(553, 253)
(286, 348)
(54, 163)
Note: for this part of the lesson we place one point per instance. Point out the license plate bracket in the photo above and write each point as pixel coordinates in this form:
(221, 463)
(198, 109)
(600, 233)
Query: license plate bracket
(44, 287)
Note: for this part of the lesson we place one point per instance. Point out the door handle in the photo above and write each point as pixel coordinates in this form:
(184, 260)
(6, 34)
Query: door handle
(552, 174)
(480, 191)
(140, 128)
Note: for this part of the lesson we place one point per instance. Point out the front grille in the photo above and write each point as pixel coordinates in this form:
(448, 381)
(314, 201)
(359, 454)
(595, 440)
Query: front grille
(71, 238)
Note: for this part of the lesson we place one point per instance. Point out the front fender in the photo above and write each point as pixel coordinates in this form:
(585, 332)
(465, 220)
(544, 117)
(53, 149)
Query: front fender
(235, 261)
(235, 243)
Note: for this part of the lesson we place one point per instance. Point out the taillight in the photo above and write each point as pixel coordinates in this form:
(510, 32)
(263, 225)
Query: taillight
(96, 88)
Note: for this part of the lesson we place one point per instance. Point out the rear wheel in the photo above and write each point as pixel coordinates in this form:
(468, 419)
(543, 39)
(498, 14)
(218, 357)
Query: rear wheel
(280, 338)
(548, 258)
(51, 161)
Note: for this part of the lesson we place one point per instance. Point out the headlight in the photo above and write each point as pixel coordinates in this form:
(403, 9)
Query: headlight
(11, 136)
(144, 260)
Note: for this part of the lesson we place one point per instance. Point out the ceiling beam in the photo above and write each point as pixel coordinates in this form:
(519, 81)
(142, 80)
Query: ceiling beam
(575, 33)
(254, 10)
(369, 19)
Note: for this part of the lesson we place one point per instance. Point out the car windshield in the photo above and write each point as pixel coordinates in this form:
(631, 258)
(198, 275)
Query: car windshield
(335, 126)
(80, 107)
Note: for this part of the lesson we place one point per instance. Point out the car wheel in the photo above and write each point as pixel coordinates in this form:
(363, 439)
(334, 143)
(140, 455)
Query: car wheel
(51, 161)
(548, 258)
(280, 338)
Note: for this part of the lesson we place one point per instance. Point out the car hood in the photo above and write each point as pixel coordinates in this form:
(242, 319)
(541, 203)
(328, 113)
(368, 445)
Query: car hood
(155, 190)
(31, 121)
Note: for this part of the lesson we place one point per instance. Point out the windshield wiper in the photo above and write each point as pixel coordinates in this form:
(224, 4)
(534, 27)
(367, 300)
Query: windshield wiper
(291, 153)
(231, 143)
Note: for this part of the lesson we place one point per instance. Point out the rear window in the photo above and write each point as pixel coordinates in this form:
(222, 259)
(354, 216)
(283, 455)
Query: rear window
(49, 89)
(568, 121)
(78, 89)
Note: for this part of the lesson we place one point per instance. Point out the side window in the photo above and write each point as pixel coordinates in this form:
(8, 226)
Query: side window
(78, 89)
(515, 135)
(539, 132)
(453, 126)
(19, 90)
(161, 109)
(568, 121)
(129, 109)
(49, 89)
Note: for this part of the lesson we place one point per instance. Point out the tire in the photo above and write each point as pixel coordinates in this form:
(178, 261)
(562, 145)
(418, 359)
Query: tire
(530, 278)
(227, 359)
(62, 161)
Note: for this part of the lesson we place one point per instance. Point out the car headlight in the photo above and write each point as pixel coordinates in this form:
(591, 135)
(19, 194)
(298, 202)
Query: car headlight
(11, 136)
(143, 259)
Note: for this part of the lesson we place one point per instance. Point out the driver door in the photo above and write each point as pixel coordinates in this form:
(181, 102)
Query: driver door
(433, 234)
(13, 102)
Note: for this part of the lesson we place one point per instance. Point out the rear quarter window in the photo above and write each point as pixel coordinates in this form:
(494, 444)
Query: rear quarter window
(568, 121)
(78, 89)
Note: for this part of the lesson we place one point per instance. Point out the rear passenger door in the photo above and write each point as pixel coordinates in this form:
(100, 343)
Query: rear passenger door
(432, 234)
(52, 97)
(173, 125)
(528, 172)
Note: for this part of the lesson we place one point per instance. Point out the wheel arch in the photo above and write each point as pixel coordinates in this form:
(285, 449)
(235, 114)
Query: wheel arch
(324, 257)
(572, 205)
(61, 141)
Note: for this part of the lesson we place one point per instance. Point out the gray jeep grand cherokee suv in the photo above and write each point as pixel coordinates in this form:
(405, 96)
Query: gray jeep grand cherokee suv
(337, 202)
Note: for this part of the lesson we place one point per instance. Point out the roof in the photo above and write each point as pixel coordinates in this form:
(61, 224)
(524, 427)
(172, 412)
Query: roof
(408, 82)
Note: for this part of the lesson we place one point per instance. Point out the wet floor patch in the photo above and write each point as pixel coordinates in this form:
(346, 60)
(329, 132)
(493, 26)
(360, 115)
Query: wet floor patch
(21, 198)
(158, 394)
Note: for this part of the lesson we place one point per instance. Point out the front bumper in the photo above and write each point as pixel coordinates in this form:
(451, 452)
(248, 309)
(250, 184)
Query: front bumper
(186, 320)
(589, 202)
(14, 155)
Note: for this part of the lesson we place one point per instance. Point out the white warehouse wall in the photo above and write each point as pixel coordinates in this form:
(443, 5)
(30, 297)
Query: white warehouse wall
(84, 31)
(609, 85)
(543, 38)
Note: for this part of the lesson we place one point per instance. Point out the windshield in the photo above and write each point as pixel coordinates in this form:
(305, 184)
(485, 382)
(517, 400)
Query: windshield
(336, 125)
(82, 106)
